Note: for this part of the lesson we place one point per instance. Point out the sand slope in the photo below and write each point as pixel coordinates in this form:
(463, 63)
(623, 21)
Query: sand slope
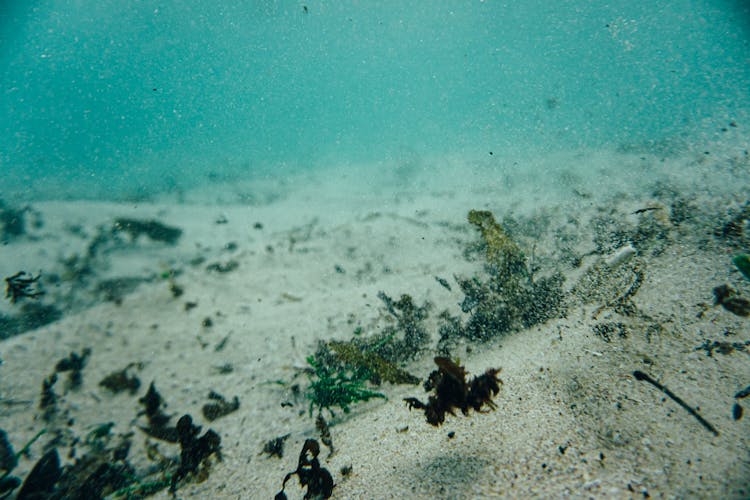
(571, 418)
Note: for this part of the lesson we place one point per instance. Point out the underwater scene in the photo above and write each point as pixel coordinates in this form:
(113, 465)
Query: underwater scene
(374, 249)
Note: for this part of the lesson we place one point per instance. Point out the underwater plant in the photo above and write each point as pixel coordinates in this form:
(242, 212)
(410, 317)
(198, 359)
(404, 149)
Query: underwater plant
(194, 450)
(453, 392)
(337, 386)
(9, 461)
(155, 230)
(318, 480)
(275, 447)
(408, 337)
(19, 286)
(510, 298)
(504, 256)
(378, 368)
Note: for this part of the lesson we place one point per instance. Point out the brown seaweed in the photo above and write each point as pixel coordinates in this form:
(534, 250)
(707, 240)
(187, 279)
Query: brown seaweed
(157, 419)
(219, 407)
(452, 392)
(22, 285)
(194, 450)
(121, 381)
(275, 446)
(311, 475)
(74, 364)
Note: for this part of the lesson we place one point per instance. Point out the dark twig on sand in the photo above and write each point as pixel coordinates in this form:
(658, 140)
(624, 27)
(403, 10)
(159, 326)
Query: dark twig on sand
(639, 375)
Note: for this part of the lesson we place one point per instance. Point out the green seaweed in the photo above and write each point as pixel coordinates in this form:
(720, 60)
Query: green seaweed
(742, 262)
(337, 386)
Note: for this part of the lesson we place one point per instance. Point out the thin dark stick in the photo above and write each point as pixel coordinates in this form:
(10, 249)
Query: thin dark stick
(639, 375)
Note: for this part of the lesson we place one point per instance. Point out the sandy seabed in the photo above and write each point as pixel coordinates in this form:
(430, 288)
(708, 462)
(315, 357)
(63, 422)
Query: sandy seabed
(312, 253)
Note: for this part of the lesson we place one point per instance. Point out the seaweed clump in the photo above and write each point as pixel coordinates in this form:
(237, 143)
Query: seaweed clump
(380, 354)
(122, 381)
(194, 450)
(100, 472)
(275, 446)
(219, 407)
(40, 483)
(511, 298)
(742, 262)
(453, 392)
(408, 336)
(9, 461)
(337, 385)
(19, 286)
(97, 474)
(311, 475)
(504, 257)
(104, 470)
(74, 364)
(379, 369)
(153, 229)
(32, 314)
(158, 421)
(339, 370)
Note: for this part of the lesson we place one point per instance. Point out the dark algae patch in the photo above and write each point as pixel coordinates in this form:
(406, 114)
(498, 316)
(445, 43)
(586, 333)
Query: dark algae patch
(380, 369)
(510, 297)
(275, 447)
(32, 315)
(12, 222)
(40, 483)
(8, 462)
(158, 421)
(122, 380)
(311, 475)
(153, 229)
(22, 285)
(97, 464)
(742, 263)
(74, 365)
(195, 451)
(451, 391)
(219, 406)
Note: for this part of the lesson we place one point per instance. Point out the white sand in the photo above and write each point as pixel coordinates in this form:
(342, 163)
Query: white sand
(571, 419)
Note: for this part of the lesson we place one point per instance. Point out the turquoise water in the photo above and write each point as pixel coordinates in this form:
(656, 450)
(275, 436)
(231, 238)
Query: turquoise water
(125, 96)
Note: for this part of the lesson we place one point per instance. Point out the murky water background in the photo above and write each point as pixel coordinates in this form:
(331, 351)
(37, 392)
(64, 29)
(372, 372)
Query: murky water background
(109, 99)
